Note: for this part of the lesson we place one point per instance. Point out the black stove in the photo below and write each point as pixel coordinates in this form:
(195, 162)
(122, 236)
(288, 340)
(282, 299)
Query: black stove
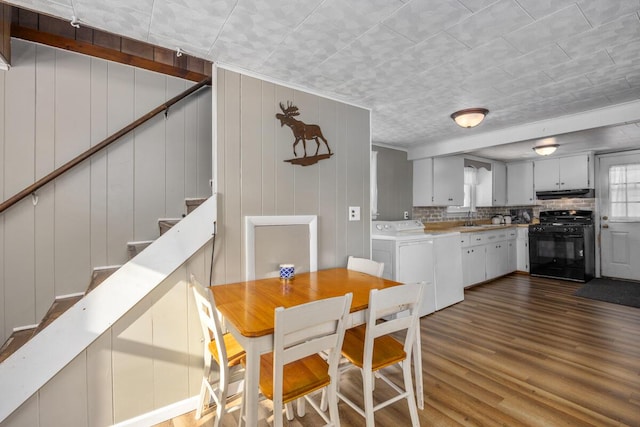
(562, 245)
(567, 221)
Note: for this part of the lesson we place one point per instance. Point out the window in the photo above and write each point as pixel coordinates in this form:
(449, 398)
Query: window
(470, 182)
(624, 191)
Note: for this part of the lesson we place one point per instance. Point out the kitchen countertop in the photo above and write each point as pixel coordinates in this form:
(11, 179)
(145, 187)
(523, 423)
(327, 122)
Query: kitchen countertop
(458, 226)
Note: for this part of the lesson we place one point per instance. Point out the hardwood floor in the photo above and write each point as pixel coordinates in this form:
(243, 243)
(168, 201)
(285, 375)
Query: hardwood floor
(518, 351)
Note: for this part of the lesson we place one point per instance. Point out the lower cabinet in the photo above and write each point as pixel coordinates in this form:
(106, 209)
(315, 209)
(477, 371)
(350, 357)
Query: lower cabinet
(513, 256)
(522, 243)
(487, 255)
(497, 260)
(448, 277)
(473, 265)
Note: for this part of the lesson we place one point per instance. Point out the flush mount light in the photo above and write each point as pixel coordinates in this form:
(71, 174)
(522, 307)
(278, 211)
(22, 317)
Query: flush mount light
(470, 117)
(545, 150)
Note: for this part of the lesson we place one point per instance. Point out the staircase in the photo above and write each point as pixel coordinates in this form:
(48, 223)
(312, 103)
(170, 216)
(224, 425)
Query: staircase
(62, 303)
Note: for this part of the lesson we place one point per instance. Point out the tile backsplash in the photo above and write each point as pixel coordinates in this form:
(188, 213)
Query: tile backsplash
(440, 214)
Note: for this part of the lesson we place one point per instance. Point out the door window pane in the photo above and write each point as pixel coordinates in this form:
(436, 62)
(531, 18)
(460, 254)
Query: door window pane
(624, 191)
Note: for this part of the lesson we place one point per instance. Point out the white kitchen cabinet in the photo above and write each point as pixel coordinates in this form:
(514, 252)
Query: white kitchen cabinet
(499, 183)
(487, 255)
(448, 181)
(520, 190)
(492, 186)
(522, 249)
(512, 264)
(497, 259)
(564, 173)
(423, 182)
(448, 271)
(474, 258)
(438, 181)
(497, 254)
(473, 265)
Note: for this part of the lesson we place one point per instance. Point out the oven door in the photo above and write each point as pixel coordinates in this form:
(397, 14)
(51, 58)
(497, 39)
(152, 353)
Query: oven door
(557, 254)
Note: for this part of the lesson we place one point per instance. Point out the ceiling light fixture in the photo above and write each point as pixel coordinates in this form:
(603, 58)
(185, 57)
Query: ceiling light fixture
(545, 150)
(470, 117)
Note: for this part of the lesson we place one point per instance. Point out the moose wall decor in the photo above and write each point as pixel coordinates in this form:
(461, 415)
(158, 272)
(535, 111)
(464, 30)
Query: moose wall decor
(302, 132)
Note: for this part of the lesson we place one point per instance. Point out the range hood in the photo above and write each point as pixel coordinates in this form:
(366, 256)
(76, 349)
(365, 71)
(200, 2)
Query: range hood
(583, 193)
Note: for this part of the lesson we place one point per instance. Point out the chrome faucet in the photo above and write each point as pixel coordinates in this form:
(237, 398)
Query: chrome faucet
(469, 221)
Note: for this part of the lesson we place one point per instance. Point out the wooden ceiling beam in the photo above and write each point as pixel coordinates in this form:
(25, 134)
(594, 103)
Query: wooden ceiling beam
(5, 36)
(50, 31)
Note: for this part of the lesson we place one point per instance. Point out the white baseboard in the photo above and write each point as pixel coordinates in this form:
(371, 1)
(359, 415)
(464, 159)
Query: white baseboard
(162, 414)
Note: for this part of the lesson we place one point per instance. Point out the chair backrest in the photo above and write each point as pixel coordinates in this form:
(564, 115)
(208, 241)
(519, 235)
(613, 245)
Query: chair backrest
(386, 303)
(365, 265)
(209, 320)
(307, 329)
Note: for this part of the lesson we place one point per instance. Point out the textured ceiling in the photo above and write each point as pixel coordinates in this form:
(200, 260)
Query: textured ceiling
(412, 62)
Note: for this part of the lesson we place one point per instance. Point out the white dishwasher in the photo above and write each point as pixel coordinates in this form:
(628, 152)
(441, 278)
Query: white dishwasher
(407, 253)
(410, 255)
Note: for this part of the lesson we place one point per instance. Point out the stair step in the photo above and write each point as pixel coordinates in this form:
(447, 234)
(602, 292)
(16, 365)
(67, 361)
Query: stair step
(100, 274)
(59, 306)
(165, 224)
(134, 248)
(15, 341)
(193, 203)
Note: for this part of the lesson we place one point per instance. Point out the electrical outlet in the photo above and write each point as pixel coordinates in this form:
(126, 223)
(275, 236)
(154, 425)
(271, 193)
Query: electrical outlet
(354, 213)
(406, 215)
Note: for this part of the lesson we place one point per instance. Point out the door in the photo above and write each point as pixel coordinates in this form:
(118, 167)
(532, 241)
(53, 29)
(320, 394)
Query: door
(547, 176)
(448, 270)
(619, 203)
(473, 265)
(415, 264)
(574, 172)
(520, 184)
(448, 181)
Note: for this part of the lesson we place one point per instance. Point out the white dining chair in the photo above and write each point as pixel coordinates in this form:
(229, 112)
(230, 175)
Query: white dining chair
(365, 265)
(358, 347)
(219, 348)
(376, 268)
(295, 369)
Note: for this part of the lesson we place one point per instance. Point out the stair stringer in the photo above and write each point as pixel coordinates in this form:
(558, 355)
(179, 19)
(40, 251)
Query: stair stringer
(46, 354)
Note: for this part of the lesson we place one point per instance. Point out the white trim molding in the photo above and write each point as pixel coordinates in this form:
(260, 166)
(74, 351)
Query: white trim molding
(251, 222)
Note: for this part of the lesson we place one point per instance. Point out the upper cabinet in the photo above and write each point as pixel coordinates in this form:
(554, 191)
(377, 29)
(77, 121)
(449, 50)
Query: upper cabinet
(448, 181)
(423, 182)
(438, 181)
(564, 173)
(520, 189)
(491, 189)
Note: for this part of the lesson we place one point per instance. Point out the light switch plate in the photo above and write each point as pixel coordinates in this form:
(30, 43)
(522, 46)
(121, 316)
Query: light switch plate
(354, 213)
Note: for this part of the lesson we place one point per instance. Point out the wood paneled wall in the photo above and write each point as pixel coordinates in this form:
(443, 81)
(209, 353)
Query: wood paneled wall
(150, 358)
(54, 105)
(254, 179)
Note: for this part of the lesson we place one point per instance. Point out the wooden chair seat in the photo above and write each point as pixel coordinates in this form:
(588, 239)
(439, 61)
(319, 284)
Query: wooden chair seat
(219, 347)
(235, 352)
(372, 347)
(386, 350)
(295, 370)
(301, 377)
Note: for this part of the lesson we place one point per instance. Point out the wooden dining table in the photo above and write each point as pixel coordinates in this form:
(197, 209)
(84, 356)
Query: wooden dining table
(248, 309)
